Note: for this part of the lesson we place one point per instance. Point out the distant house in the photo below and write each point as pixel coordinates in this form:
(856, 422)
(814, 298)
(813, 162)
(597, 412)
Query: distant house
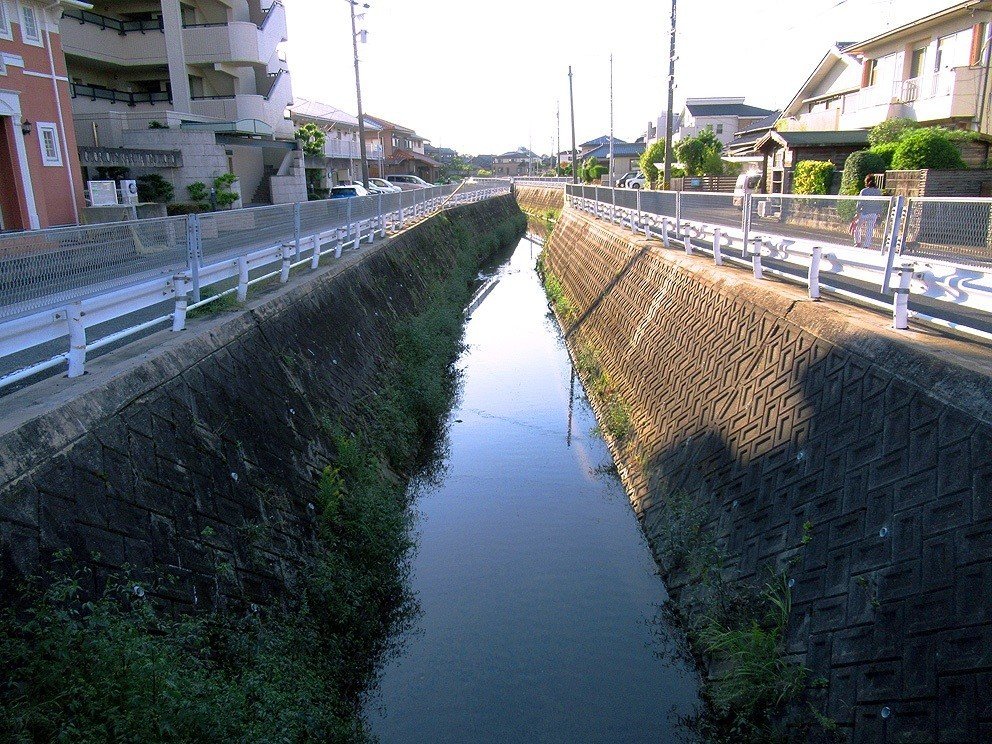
(519, 162)
(626, 156)
(403, 151)
(725, 116)
(341, 159)
(441, 154)
(742, 148)
(587, 147)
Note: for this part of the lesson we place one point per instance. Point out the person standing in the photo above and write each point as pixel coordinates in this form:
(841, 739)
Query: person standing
(868, 214)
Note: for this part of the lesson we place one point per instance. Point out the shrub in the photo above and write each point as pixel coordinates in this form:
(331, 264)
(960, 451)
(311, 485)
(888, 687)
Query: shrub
(891, 130)
(225, 195)
(153, 188)
(858, 165)
(654, 154)
(198, 191)
(157, 125)
(591, 170)
(886, 151)
(311, 139)
(927, 148)
(178, 208)
(813, 177)
(700, 154)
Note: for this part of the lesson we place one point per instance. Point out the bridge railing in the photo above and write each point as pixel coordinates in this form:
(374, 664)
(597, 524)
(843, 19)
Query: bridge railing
(925, 257)
(98, 285)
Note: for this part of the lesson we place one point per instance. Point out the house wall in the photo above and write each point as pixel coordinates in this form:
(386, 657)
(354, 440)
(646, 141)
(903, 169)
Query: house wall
(695, 125)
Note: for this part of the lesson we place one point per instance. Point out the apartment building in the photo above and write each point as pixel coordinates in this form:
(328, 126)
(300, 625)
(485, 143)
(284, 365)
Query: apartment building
(40, 185)
(342, 157)
(188, 90)
(403, 151)
(934, 70)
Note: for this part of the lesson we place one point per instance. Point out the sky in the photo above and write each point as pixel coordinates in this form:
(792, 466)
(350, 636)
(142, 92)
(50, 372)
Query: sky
(486, 76)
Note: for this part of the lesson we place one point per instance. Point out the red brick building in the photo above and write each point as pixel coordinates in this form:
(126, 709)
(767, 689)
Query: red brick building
(40, 181)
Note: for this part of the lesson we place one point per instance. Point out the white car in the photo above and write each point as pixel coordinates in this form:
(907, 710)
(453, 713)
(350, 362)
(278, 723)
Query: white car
(408, 183)
(382, 186)
(636, 181)
(348, 191)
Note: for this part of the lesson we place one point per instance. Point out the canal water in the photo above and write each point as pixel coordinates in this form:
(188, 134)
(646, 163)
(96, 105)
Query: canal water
(540, 602)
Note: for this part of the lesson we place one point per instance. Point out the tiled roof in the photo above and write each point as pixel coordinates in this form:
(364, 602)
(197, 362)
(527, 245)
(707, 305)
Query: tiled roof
(399, 155)
(304, 107)
(851, 137)
(726, 109)
(601, 141)
(383, 124)
(621, 149)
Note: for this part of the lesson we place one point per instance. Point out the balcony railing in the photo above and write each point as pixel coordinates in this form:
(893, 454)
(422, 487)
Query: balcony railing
(114, 24)
(119, 96)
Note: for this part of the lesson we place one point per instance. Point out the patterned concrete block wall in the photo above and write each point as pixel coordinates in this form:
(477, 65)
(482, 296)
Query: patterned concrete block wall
(774, 411)
(536, 199)
(207, 453)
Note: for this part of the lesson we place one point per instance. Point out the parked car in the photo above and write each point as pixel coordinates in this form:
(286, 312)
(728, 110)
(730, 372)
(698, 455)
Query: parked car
(746, 184)
(622, 181)
(382, 186)
(636, 181)
(348, 191)
(408, 183)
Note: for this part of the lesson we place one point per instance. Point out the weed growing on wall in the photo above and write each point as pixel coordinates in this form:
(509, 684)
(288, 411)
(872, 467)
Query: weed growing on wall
(121, 665)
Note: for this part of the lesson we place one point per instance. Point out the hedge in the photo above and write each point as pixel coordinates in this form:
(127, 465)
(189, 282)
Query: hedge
(858, 165)
(927, 148)
(813, 177)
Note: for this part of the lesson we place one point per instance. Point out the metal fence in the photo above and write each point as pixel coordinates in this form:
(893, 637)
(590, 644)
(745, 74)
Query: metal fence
(127, 277)
(879, 250)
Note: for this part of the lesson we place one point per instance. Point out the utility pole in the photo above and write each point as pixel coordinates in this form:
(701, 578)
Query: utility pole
(671, 104)
(571, 103)
(557, 136)
(358, 93)
(611, 120)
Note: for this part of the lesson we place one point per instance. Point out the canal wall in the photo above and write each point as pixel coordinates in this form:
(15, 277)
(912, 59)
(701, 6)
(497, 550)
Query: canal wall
(539, 199)
(198, 455)
(819, 444)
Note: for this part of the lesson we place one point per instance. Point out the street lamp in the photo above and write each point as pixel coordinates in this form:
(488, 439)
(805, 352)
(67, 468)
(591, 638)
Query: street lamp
(358, 89)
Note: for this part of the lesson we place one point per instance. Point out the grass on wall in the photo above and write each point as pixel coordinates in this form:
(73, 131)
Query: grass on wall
(124, 667)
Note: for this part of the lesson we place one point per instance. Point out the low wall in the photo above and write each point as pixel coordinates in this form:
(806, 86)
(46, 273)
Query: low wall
(205, 451)
(537, 199)
(820, 443)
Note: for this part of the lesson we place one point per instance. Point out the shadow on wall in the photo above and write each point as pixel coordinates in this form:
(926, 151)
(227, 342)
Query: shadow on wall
(812, 459)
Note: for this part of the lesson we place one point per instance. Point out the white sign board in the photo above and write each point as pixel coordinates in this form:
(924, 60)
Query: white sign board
(129, 192)
(102, 193)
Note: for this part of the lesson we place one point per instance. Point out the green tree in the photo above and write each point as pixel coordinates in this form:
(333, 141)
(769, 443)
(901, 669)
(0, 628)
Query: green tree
(655, 153)
(858, 165)
(226, 196)
(700, 155)
(153, 188)
(591, 170)
(886, 151)
(311, 139)
(813, 177)
(891, 130)
(927, 148)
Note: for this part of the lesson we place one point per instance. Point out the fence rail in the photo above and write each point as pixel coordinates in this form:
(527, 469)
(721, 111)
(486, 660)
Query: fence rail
(884, 251)
(125, 278)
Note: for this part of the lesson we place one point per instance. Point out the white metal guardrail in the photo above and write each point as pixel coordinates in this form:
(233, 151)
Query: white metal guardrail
(881, 251)
(60, 283)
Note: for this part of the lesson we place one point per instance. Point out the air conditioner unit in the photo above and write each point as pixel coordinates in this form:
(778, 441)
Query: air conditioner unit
(766, 208)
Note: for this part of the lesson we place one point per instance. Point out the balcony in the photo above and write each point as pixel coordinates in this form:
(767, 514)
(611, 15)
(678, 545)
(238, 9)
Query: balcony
(268, 108)
(949, 94)
(88, 99)
(110, 40)
(219, 43)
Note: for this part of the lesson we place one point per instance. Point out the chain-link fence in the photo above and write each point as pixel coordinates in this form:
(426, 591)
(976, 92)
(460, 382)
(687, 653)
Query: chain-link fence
(948, 229)
(861, 222)
(43, 267)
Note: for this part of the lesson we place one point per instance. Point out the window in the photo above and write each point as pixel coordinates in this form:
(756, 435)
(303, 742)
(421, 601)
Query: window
(870, 73)
(916, 62)
(49, 141)
(719, 128)
(5, 32)
(30, 30)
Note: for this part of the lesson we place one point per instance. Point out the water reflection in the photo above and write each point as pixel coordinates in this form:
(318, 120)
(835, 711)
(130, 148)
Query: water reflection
(538, 592)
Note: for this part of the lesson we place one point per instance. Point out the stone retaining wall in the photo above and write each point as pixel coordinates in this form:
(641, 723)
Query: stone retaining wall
(201, 459)
(773, 411)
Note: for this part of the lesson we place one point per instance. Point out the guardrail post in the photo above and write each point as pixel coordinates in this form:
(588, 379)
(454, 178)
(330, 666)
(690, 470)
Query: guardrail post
(181, 284)
(194, 252)
(613, 208)
(339, 244)
(296, 230)
(814, 273)
(348, 221)
(595, 200)
(746, 223)
(242, 278)
(896, 224)
(678, 215)
(382, 219)
(686, 240)
(900, 304)
(637, 196)
(77, 339)
(286, 262)
(402, 218)
(756, 268)
(717, 237)
(664, 232)
(315, 256)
